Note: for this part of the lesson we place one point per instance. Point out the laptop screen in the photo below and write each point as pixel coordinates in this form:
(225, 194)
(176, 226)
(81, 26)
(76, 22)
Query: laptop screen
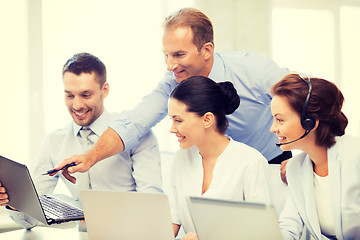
(126, 215)
(20, 188)
(220, 219)
(23, 195)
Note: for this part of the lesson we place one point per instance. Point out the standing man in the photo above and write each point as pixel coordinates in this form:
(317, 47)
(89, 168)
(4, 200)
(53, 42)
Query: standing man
(189, 51)
(137, 169)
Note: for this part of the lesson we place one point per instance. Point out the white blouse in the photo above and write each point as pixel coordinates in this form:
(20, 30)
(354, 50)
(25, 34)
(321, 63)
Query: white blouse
(240, 173)
(323, 205)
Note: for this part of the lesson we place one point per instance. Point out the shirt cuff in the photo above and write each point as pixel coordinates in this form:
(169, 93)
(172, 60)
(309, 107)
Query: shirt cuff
(128, 136)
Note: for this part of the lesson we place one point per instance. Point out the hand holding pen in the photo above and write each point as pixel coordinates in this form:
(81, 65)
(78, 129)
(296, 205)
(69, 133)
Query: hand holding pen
(83, 163)
(56, 170)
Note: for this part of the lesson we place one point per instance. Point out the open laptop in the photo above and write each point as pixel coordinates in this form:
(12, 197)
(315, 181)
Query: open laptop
(218, 219)
(126, 215)
(15, 177)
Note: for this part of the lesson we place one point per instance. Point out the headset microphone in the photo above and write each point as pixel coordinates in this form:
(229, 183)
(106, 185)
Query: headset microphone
(304, 135)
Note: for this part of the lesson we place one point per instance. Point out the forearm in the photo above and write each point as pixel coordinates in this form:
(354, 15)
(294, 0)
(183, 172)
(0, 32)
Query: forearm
(109, 144)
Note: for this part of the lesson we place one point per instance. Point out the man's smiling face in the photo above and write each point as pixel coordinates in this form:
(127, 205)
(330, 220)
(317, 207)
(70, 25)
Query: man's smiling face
(84, 97)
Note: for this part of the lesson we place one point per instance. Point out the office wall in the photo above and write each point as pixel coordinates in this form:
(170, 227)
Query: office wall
(38, 36)
(240, 25)
(21, 124)
(318, 38)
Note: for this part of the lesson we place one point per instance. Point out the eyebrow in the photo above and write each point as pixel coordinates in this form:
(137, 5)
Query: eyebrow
(86, 91)
(173, 53)
(175, 116)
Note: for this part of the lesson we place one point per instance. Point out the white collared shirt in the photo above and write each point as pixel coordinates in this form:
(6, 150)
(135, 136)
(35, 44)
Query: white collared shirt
(135, 170)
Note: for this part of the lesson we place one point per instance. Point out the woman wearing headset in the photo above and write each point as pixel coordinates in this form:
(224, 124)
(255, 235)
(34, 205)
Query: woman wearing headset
(324, 180)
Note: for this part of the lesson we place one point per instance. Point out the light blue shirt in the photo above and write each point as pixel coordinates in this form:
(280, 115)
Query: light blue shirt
(252, 76)
(138, 169)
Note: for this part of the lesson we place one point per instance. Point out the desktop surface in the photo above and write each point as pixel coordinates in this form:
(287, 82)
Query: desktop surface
(42, 233)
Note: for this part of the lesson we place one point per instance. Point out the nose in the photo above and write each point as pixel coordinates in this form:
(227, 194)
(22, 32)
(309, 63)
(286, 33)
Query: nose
(172, 128)
(171, 63)
(78, 103)
(273, 128)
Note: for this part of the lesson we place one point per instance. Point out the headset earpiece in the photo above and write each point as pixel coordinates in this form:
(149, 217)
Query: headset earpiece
(308, 122)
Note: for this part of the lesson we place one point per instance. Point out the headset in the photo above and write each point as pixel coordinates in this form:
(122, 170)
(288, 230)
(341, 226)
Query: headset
(308, 121)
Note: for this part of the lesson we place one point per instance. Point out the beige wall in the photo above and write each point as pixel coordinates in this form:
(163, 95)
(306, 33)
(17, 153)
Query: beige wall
(241, 25)
(21, 79)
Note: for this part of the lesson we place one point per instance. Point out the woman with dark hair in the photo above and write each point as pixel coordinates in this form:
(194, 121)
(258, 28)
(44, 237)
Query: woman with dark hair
(323, 180)
(210, 164)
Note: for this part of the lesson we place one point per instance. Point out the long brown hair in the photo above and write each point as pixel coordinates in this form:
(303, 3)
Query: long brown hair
(325, 104)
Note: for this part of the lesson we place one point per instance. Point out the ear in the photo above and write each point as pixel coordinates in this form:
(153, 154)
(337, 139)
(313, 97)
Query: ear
(207, 50)
(316, 124)
(208, 119)
(105, 89)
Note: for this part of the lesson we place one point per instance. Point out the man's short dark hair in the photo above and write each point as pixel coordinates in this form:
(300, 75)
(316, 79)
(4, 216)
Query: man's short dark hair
(86, 63)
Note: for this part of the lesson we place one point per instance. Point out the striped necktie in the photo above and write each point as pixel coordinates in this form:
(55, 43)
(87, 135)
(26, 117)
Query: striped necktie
(84, 178)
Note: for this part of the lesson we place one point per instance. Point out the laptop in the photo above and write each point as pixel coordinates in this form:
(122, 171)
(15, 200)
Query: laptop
(15, 177)
(126, 215)
(216, 219)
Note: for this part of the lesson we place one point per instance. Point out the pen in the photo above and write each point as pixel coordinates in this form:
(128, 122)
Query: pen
(54, 170)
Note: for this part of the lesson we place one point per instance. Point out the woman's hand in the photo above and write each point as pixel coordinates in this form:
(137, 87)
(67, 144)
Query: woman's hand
(4, 198)
(283, 171)
(190, 236)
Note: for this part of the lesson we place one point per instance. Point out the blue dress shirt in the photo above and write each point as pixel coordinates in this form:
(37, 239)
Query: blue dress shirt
(252, 76)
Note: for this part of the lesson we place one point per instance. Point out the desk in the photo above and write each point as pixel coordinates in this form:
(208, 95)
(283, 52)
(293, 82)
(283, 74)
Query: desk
(66, 231)
(44, 233)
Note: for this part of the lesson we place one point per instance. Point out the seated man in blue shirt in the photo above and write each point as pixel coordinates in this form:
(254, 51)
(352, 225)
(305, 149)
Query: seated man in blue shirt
(137, 169)
(188, 47)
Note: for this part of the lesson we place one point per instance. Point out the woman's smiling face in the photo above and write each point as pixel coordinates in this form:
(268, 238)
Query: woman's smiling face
(187, 126)
(286, 124)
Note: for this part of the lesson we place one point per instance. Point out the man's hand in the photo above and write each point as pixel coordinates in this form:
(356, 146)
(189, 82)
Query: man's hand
(107, 145)
(84, 163)
(283, 171)
(4, 198)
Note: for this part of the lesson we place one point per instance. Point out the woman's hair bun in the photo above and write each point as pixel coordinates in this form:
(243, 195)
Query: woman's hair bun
(231, 99)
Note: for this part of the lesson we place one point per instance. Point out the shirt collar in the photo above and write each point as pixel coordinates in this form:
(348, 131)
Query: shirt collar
(217, 72)
(98, 126)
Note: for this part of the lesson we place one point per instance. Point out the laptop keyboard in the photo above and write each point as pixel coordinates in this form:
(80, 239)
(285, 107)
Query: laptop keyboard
(58, 209)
